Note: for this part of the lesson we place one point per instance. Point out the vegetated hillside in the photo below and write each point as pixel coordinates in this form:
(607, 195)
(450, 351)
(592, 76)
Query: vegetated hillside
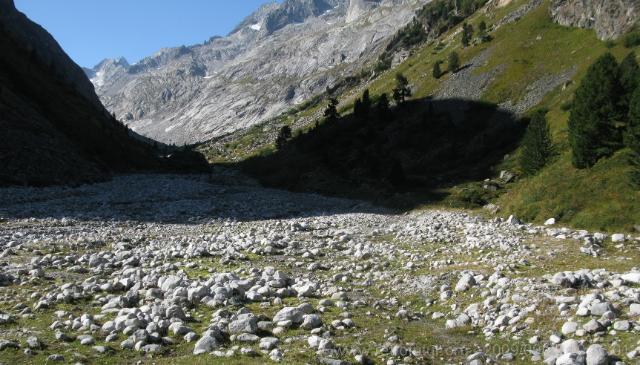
(528, 62)
(53, 130)
(413, 148)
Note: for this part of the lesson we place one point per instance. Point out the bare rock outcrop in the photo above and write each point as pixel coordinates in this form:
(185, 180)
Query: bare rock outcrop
(609, 18)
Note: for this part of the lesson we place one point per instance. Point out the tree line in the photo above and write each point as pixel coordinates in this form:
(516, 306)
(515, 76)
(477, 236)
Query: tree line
(604, 118)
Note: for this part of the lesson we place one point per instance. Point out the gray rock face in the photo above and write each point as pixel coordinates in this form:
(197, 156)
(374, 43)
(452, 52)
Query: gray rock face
(358, 7)
(277, 57)
(608, 18)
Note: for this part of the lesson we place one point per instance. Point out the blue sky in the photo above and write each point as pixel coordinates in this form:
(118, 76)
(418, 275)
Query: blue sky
(91, 30)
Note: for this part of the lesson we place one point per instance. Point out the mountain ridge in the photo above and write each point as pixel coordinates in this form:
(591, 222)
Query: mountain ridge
(194, 93)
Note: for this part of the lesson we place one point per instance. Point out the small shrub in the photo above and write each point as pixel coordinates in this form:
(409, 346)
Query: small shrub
(632, 39)
(567, 105)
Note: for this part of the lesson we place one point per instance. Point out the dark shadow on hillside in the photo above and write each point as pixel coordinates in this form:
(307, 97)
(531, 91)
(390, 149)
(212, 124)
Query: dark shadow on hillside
(402, 158)
(54, 130)
(398, 158)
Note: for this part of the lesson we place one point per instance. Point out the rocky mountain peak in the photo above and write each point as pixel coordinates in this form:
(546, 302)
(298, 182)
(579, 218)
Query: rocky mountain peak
(106, 69)
(272, 17)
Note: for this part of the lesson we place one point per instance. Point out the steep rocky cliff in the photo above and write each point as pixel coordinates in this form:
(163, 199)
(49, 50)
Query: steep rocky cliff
(609, 18)
(43, 47)
(277, 57)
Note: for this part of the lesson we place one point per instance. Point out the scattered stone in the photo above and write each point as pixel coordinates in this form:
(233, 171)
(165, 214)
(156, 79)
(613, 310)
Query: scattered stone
(55, 358)
(597, 355)
(617, 238)
(268, 343)
(206, 344)
(6, 344)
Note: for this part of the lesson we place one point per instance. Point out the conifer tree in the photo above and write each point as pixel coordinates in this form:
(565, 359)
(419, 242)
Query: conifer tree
(632, 137)
(467, 34)
(454, 62)
(537, 147)
(366, 102)
(482, 28)
(629, 74)
(402, 90)
(283, 136)
(437, 72)
(331, 112)
(383, 104)
(357, 108)
(633, 130)
(482, 32)
(595, 114)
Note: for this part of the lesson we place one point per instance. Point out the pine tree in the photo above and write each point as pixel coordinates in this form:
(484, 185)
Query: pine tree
(357, 108)
(283, 137)
(482, 32)
(482, 28)
(366, 102)
(454, 62)
(595, 114)
(383, 104)
(629, 74)
(632, 137)
(331, 112)
(467, 34)
(437, 72)
(537, 147)
(402, 90)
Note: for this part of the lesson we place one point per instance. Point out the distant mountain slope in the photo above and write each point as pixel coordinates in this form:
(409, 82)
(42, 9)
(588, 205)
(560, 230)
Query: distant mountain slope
(53, 128)
(281, 55)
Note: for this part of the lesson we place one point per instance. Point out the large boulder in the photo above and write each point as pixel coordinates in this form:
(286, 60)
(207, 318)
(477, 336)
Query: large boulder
(206, 344)
(293, 314)
(597, 355)
(244, 323)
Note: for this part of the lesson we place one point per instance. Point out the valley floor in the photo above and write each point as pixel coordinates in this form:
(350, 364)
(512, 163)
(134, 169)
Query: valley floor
(173, 269)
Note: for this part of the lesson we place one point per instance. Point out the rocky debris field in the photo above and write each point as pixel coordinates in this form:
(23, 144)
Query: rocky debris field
(188, 269)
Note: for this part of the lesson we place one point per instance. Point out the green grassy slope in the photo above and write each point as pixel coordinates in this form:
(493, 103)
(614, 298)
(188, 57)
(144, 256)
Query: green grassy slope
(598, 198)
(525, 51)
